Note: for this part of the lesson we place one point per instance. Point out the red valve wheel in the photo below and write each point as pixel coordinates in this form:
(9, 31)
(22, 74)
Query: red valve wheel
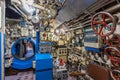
(114, 41)
(114, 55)
(102, 20)
(115, 74)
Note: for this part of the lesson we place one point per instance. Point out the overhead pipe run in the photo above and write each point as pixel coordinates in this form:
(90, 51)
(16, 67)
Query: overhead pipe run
(74, 29)
(110, 10)
(114, 8)
(99, 5)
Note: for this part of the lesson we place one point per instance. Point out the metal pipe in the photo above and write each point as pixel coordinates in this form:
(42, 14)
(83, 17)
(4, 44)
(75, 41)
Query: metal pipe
(74, 28)
(17, 20)
(20, 11)
(102, 4)
(112, 9)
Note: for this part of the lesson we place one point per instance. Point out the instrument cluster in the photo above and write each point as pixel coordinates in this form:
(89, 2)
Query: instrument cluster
(45, 47)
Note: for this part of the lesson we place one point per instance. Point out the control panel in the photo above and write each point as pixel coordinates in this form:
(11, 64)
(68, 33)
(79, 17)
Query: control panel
(62, 53)
(45, 47)
(48, 36)
(90, 38)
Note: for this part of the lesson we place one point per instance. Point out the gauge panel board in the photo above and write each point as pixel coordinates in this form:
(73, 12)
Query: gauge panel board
(45, 47)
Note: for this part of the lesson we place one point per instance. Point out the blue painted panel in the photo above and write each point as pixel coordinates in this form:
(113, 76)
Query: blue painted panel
(97, 50)
(21, 64)
(44, 75)
(43, 61)
(4, 43)
(37, 42)
(89, 35)
(1, 56)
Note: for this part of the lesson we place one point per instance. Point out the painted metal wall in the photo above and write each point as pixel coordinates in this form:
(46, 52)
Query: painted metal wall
(2, 31)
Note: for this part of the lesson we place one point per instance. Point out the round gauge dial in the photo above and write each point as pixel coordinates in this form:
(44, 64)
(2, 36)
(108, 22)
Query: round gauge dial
(35, 19)
(50, 35)
(57, 32)
(44, 34)
(56, 38)
(47, 28)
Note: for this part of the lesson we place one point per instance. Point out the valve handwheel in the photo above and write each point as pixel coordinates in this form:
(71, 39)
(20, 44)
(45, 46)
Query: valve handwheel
(115, 74)
(114, 41)
(103, 19)
(114, 55)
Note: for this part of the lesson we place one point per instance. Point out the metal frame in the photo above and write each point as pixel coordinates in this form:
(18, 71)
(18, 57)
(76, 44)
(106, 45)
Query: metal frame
(2, 32)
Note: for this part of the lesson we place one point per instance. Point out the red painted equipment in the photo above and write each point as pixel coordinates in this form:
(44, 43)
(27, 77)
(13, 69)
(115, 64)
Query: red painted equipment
(102, 19)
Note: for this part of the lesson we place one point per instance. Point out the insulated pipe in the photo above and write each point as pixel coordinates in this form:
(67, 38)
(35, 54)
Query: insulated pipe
(74, 29)
(110, 10)
(100, 4)
(116, 7)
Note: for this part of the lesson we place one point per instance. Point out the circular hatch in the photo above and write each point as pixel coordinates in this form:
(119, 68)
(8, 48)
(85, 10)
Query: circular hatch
(23, 51)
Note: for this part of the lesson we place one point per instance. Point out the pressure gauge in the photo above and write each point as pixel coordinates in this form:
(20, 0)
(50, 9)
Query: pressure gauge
(43, 36)
(47, 29)
(57, 32)
(50, 36)
(55, 38)
(35, 19)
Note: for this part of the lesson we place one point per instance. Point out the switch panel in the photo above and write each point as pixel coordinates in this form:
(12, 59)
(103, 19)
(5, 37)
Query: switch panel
(45, 47)
(62, 51)
(90, 36)
(91, 39)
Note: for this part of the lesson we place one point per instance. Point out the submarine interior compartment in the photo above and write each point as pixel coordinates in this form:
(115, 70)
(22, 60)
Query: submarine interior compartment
(60, 40)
